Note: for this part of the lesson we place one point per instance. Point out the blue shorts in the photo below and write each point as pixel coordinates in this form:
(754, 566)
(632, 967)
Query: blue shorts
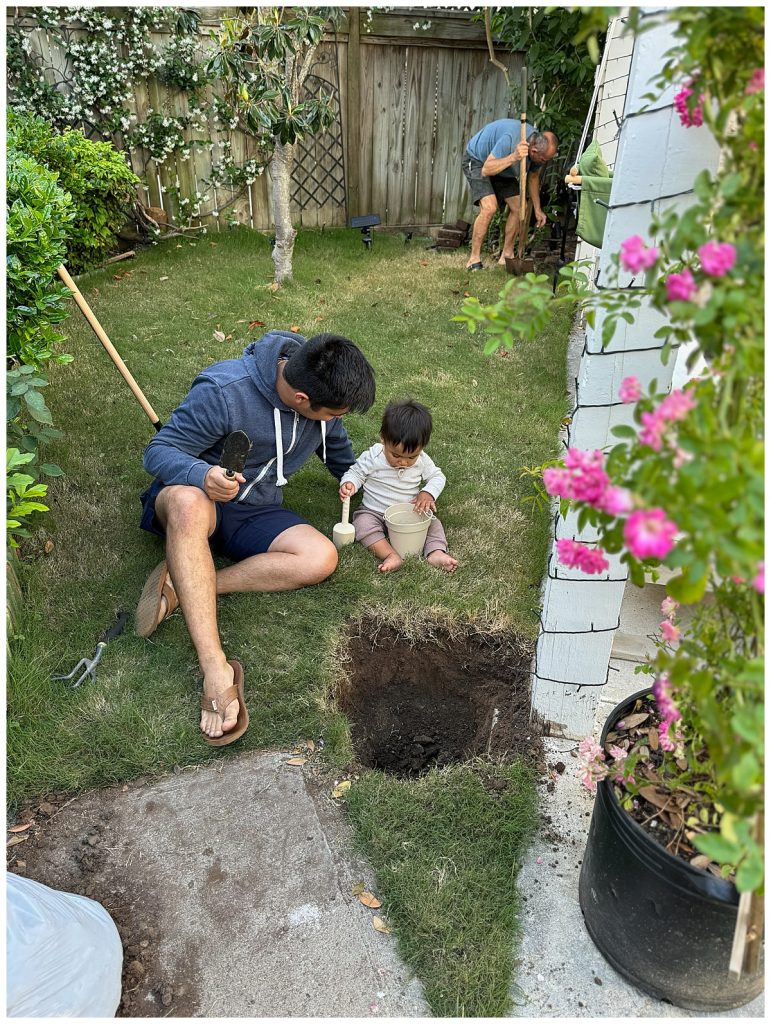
(241, 530)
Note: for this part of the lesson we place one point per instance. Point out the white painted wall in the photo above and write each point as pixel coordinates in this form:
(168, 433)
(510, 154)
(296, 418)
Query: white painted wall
(656, 159)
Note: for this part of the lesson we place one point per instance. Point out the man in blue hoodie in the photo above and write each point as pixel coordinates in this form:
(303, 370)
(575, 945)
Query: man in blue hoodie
(287, 394)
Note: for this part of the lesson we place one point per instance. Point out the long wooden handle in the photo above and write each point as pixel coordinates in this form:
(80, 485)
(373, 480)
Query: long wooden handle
(346, 510)
(96, 327)
(523, 138)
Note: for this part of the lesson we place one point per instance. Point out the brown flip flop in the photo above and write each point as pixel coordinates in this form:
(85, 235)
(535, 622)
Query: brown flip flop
(220, 705)
(149, 607)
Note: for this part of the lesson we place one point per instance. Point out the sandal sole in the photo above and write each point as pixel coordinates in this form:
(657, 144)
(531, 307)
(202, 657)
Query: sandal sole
(242, 722)
(149, 605)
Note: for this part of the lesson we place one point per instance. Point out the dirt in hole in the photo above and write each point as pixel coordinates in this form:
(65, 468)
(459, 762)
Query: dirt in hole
(416, 705)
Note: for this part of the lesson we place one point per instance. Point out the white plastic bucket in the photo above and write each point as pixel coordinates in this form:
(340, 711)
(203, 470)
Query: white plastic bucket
(407, 529)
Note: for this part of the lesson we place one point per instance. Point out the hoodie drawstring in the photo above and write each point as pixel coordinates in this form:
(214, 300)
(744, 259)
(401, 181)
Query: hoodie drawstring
(324, 440)
(280, 478)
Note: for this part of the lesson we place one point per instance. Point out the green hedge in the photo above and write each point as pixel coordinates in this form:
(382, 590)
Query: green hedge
(102, 186)
(39, 215)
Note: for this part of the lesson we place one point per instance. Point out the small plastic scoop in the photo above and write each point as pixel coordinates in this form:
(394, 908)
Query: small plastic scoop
(234, 452)
(343, 533)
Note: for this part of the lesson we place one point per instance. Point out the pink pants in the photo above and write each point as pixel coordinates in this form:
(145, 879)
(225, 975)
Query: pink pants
(370, 528)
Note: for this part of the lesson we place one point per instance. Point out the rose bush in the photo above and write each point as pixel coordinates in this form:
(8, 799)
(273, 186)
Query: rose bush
(684, 487)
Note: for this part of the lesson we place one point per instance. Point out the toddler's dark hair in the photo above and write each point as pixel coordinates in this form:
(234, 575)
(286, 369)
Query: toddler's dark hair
(333, 373)
(406, 423)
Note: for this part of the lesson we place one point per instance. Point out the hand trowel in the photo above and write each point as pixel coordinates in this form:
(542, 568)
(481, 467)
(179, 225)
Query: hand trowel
(343, 533)
(234, 452)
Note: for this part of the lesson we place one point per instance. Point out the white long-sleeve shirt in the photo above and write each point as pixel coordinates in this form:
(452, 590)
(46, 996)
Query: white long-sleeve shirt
(385, 485)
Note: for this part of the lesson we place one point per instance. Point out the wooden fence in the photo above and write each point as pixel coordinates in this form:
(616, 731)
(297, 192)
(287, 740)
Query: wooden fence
(409, 100)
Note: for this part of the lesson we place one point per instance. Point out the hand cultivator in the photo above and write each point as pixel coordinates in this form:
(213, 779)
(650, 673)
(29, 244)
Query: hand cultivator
(88, 665)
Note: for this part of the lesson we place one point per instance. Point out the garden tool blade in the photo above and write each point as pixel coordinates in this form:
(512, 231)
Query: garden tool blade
(234, 452)
(86, 667)
(344, 532)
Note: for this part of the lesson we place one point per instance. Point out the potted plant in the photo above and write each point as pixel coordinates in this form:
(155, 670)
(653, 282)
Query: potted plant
(672, 880)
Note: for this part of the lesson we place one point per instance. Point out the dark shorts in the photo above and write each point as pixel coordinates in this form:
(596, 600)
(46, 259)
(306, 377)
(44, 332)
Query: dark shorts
(501, 186)
(241, 530)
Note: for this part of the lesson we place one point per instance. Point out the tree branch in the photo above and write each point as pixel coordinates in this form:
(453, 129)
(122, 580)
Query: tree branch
(493, 58)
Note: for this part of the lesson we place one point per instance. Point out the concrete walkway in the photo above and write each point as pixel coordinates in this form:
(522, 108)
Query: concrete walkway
(231, 887)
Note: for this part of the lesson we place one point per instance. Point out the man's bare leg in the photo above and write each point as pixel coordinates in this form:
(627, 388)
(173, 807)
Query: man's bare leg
(297, 557)
(487, 207)
(511, 231)
(189, 518)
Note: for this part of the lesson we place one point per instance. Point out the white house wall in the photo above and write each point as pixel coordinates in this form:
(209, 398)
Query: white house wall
(656, 160)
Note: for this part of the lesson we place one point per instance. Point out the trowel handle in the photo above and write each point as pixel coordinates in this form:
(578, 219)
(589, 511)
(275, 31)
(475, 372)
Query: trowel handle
(346, 510)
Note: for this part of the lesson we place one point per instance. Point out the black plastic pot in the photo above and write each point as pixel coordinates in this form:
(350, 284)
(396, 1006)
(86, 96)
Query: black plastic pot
(663, 925)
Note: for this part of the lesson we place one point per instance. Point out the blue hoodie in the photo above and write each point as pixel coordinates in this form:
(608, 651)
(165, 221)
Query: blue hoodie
(240, 394)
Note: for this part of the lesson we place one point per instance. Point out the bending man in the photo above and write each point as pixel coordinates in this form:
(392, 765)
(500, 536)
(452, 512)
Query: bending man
(491, 166)
(287, 394)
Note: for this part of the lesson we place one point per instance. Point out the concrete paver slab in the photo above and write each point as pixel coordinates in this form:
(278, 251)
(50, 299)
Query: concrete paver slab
(237, 878)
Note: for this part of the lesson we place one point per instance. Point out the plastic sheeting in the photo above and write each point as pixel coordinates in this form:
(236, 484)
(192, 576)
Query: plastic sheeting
(64, 954)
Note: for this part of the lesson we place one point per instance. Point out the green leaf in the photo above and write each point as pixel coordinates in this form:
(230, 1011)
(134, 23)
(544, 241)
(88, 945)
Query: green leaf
(686, 591)
(749, 875)
(624, 430)
(51, 469)
(717, 847)
(37, 407)
(747, 773)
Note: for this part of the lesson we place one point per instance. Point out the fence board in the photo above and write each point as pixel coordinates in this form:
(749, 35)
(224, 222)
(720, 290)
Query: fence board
(421, 96)
(367, 114)
(427, 140)
(379, 171)
(413, 132)
(395, 116)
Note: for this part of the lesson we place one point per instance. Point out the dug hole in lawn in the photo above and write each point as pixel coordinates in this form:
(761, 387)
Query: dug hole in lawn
(414, 705)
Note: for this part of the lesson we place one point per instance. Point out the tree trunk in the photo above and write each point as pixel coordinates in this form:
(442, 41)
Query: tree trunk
(281, 174)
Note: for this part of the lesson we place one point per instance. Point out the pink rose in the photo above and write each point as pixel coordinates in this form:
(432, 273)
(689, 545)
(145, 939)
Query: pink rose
(668, 607)
(653, 428)
(759, 583)
(681, 287)
(630, 390)
(662, 691)
(558, 482)
(757, 83)
(664, 741)
(717, 258)
(575, 555)
(589, 479)
(690, 119)
(670, 633)
(616, 501)
(590, 750)
(677, 405)
(636, 256)
(649, 534)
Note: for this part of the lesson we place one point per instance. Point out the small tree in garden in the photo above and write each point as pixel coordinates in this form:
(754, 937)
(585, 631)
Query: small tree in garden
(262, 59)
(685, 486)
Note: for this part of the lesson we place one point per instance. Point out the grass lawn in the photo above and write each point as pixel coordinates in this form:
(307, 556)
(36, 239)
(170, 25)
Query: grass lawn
(491, 416)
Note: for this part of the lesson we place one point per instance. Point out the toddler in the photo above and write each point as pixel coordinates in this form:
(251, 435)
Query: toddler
(393, 471)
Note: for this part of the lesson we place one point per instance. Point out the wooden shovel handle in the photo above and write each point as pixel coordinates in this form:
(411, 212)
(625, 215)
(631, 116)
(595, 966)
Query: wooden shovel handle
(346, 510)
(523, 161)
(522, 167)
(111, 351)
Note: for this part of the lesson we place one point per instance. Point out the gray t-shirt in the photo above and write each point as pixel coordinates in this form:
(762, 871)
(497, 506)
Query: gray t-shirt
(499, 139)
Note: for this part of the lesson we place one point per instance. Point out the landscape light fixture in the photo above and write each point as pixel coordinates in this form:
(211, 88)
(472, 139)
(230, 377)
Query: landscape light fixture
(366, 222)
